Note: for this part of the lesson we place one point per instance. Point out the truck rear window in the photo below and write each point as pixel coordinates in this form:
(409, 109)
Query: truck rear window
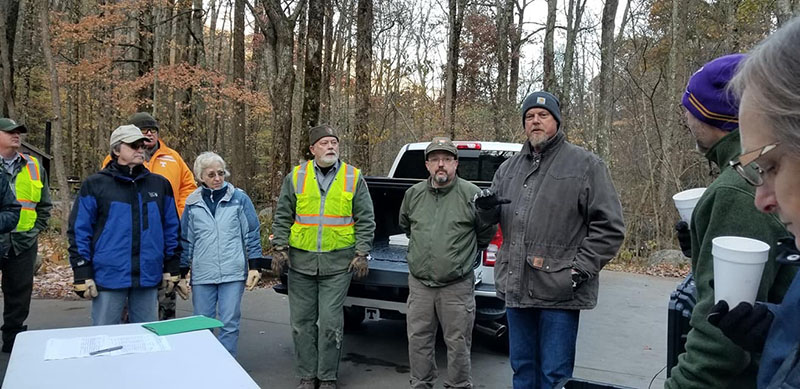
(473, 165)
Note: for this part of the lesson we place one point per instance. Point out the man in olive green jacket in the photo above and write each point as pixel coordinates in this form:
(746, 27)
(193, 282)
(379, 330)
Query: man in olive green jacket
(445, 234)
(323, 250)
(711, 359)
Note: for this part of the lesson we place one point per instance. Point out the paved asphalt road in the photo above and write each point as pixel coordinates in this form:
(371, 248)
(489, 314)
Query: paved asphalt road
(622, 341)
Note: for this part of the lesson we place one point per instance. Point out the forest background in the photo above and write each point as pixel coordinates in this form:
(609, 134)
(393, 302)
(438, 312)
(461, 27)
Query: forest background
(247, 78)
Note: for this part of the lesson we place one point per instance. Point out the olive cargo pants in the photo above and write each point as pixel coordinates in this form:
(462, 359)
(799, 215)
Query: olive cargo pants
(452, 306)
(317, 320)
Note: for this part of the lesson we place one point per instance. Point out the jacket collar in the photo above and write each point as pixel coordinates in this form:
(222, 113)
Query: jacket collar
(442, 189)
(549, 147)
(196, 197)
(725, 150)
(125, 173)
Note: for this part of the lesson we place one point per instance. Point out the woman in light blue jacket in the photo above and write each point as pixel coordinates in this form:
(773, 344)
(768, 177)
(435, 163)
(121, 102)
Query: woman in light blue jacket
(220, 235)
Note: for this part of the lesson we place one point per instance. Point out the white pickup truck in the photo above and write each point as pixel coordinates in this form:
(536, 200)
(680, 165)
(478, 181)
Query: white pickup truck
(383, 293)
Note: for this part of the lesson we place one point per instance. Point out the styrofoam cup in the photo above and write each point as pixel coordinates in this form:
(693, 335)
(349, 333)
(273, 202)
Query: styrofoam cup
(738, 264)
(685, 202)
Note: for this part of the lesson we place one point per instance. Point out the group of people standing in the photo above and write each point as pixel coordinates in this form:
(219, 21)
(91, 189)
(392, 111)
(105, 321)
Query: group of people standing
(141, 225)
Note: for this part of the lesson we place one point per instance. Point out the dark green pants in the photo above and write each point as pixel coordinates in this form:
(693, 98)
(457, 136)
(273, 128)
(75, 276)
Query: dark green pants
(315, 313)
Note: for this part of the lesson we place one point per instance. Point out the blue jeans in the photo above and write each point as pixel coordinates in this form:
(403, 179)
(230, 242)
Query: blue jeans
(541, 345)
(225, 298)
(142, 305)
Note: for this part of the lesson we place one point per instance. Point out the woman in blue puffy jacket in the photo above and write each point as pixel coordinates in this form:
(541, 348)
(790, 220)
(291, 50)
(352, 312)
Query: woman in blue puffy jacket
(221, 240)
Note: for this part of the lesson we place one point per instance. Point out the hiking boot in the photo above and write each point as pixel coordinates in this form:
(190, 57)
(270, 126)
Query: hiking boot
(327, 385)
(307, 383)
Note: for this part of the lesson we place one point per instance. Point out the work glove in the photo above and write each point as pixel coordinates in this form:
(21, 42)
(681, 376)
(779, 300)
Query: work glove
(684, 238)
(182, 288)
(359, 265)
(578, 278)
(746, 325)
(85, 289)
(486, 200)
(280, 257)
(168, 282)
(253, 276)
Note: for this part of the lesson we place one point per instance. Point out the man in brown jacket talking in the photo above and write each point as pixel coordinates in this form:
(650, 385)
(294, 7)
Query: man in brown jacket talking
(564, 224)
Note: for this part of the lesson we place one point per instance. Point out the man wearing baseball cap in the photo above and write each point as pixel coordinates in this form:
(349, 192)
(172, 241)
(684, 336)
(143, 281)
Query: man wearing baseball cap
(30, 185)
(165, 161)
(323, 228)
(726, 208)
(445, 235)
(564, 225)
(123, 234)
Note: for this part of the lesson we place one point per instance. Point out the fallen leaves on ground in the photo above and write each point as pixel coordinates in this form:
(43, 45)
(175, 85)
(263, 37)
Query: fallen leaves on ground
(54, 279)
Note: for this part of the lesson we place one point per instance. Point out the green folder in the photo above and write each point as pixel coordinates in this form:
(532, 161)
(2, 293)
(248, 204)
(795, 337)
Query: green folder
(186, 324)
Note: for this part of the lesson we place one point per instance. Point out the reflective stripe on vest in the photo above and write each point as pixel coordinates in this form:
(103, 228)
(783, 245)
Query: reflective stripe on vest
(323, 223)
(28, 188)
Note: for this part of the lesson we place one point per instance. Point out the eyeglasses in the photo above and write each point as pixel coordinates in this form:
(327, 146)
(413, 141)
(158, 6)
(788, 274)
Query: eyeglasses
(213, 174)
(748, 168)
(149, 130)
(444, 159)
(136, 145)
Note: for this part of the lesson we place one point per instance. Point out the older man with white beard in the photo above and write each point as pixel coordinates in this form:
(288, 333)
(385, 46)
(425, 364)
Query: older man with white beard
(323, 229)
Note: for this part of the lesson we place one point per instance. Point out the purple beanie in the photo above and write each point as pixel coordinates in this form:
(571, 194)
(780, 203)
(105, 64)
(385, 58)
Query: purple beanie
(707, 96)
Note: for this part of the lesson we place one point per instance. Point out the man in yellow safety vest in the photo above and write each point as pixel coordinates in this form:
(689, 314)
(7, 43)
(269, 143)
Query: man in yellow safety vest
(323, 229)
(29, 183)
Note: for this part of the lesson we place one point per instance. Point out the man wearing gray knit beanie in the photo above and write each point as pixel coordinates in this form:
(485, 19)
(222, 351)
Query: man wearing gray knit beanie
(564, 224)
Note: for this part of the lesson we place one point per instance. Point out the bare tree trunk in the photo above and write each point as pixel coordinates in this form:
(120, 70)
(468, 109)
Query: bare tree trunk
(516, 46)
(278, 32)
(574, 18)
(313, 73)
(549, 76)
(9, 13)
(505, 13)
(55, 99)
(325, 92)
(198, 43)
(455, 18)
(360, 155)
(605, 89)
(144, 53)
(239, 134)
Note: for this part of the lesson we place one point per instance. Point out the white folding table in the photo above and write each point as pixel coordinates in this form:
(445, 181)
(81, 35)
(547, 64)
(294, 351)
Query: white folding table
(196, 360)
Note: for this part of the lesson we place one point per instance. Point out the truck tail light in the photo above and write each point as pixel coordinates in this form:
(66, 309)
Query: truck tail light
(490, 254)
(468, 146)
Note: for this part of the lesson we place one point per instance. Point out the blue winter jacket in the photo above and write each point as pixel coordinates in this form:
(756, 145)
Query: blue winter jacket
(783, 335)
(124, 229)
(217, 246)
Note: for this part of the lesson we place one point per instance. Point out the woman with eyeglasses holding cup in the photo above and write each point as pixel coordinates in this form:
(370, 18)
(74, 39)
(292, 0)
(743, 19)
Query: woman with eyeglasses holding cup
(221, 240)
(768, 82)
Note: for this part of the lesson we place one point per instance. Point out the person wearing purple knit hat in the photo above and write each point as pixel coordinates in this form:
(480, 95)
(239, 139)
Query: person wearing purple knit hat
(711, 359)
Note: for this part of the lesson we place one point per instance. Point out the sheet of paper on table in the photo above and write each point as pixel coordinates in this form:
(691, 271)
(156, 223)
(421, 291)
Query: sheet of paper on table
(83, 347)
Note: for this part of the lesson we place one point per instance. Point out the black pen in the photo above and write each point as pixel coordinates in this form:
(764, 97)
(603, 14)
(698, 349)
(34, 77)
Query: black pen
(106, 350)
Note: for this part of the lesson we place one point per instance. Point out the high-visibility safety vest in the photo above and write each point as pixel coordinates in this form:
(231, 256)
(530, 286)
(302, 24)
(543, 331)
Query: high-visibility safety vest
(29, 192)
(323, 224)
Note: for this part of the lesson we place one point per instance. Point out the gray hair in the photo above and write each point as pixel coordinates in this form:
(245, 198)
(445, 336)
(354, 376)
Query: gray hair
(771, 76)
(206, 159)
(115, 148)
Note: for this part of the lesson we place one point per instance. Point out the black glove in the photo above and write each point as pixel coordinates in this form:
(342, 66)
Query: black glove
(684, 238)
(578, 278)
(746, 325)
(486, 200)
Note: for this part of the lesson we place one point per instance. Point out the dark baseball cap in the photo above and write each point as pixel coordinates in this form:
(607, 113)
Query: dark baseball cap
(441, 143)
(9, 125)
